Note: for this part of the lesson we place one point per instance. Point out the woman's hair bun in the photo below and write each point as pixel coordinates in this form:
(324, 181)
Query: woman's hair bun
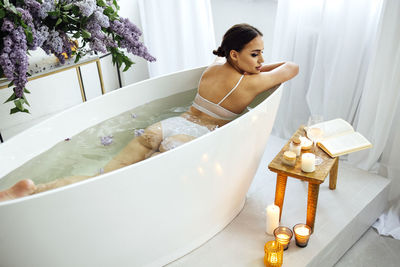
(219, 52)
(236, 38)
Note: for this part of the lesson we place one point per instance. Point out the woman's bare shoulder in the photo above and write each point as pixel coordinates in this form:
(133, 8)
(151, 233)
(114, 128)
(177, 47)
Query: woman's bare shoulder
(220, 71)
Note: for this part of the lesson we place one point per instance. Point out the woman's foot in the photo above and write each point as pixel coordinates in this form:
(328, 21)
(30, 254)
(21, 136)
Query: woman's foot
(20, 189)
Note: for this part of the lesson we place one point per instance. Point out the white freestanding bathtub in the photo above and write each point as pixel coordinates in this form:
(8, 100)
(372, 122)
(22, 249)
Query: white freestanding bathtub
(146, 214)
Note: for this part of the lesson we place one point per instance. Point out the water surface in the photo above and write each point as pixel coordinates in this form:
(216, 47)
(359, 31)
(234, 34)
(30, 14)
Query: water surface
(84, 153)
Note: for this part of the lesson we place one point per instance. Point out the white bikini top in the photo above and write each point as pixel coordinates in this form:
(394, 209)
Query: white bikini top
(213, 109)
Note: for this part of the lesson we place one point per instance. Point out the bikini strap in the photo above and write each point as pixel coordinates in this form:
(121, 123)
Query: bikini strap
(233, 89)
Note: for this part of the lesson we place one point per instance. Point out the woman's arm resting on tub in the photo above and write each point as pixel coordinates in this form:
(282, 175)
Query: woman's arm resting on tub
(271, 66)
(278, 73)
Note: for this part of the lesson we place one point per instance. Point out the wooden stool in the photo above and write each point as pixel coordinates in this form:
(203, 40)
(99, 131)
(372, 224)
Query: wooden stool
(314, 179)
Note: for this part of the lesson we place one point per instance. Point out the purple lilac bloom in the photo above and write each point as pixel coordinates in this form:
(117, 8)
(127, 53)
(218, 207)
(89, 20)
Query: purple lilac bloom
(46, 6)
(87, 7)
(138, 132)
(14, 60)
(54, 43)
(34, 8)
(106, 140)
(99, 41)
(26, 16)
(130, 34)
(102, 19)
(40, 35)
(7, 26)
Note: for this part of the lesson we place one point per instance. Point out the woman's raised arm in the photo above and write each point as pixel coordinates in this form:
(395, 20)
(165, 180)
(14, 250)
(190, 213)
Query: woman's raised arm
(271, 75)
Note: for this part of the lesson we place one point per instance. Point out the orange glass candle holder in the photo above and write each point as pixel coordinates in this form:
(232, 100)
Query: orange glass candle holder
(283, 235)
(302, 233)
(273, 254)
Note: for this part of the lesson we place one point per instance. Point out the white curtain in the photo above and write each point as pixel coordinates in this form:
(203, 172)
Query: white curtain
(379, 114)
(332, 41)
(349, 57)
(179, 33)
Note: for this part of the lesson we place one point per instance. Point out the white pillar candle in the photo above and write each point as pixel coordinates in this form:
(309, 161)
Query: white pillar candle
(272, 218)
(308, 162)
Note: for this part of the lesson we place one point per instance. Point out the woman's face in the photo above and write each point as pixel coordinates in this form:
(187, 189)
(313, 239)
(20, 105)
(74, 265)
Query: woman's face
(250, 58)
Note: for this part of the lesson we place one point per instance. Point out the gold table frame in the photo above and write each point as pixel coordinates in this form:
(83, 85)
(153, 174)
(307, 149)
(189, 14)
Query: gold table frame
(63, 68)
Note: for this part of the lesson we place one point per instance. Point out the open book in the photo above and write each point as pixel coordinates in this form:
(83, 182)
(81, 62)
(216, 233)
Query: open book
(339, 138)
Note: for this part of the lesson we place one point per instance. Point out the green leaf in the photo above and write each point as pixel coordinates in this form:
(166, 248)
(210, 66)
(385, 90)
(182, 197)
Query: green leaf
(19, 103)
(2, 13)
(86, 34)
(12, 8)
(78, 56)
(11, 98)
(59, 21)
(108, 11)
(54, 13)
(101, 3)
(68, 7)
(73, 19)
(25, 100)
(26, 91)
(14, 110)
(116, 4)
(29, 35)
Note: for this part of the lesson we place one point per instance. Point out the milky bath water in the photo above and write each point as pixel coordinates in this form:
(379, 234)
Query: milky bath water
(89, 151)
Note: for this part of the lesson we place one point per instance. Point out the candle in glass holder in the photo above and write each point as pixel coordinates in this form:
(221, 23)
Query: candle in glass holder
(283, 235)
(302, 234)
(308, 162)
(273, 254)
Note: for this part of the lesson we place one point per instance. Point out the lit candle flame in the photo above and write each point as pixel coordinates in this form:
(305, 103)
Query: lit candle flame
(274, 258)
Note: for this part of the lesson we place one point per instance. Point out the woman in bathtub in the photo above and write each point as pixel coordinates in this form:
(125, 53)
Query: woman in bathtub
(225, 89)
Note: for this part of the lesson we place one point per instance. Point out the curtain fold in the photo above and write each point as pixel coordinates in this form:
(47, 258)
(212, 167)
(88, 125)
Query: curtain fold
(179, 33)
(349, 58)
(379, 115)
(332, 41)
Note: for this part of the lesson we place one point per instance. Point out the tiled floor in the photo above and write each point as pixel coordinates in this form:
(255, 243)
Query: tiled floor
(372, 250)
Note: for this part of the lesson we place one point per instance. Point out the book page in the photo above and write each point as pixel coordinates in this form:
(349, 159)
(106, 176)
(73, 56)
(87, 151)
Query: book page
(345, 144)
(334, 127)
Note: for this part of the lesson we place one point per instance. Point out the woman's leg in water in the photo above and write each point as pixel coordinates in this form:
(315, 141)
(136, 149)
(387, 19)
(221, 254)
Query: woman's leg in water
(137, 149)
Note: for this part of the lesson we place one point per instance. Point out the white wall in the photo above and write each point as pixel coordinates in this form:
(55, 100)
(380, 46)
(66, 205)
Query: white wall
(258, 13)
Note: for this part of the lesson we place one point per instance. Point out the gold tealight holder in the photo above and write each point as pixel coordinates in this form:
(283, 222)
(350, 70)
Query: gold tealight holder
(283, 235)
(273, 254)
(302, 234)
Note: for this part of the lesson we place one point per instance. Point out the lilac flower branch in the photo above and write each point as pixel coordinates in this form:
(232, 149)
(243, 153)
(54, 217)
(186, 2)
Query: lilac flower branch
(53, 25)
